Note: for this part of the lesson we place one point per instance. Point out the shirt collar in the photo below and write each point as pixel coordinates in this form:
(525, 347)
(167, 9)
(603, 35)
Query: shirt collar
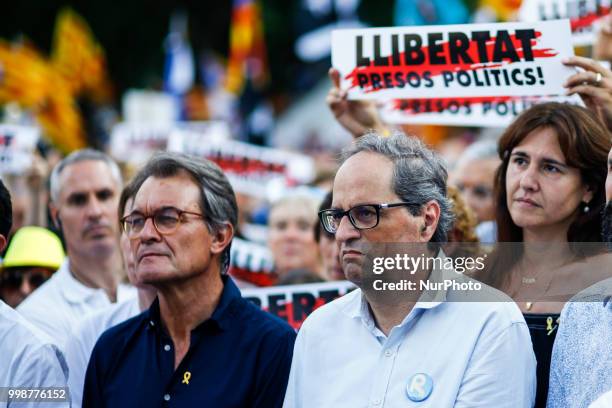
(429, 299)
(72, 290)
(223, 316)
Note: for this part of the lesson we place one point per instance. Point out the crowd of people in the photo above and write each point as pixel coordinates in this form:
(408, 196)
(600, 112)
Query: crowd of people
(139, 306)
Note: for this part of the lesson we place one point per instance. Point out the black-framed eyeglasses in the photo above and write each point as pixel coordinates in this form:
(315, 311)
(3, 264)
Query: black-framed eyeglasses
(166, 220)
(364, 216)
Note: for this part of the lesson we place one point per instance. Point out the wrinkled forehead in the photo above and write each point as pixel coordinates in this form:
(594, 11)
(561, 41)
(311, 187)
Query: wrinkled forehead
(89, 175)
(364, 178)
(179, 191)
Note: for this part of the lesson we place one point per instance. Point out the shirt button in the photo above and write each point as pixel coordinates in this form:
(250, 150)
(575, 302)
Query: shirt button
(388, 353)
(376, 402)
(167, 347)
(167, 397)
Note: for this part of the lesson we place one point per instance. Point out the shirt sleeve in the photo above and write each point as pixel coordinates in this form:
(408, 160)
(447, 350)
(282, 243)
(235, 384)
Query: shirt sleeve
(556, 386)
(77, 359)
(37, 367)
(92, 391)
(274, 373)
(294, 386)
(501, 372)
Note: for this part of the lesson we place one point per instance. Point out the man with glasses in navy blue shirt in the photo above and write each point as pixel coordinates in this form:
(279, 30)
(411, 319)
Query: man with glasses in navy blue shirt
(200, 343)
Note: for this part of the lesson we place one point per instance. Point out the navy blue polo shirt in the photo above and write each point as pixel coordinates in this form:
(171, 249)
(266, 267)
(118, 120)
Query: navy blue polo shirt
(240, 357)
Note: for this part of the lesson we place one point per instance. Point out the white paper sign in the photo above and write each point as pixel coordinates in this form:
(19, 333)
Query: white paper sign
(583, 15)
(248, 167)
(464, 60)
(135, 142)
(477, 112)
(17, 144)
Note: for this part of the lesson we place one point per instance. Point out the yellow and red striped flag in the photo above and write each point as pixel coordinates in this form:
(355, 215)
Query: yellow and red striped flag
(247, 54)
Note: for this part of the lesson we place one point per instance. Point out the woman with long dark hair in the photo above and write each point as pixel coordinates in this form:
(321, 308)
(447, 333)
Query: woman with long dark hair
(549, 197)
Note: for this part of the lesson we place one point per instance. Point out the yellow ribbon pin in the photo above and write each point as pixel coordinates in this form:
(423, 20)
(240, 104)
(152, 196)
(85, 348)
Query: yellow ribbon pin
(186, 377)
(549, 327)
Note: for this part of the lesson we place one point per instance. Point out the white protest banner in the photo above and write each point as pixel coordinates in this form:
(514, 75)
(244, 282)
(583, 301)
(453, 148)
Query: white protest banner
(496, 111)
(583, 15)
(135, 142)
(248, 167)
(17, 144)
(295, 302)
(251, 262)
(453, 60)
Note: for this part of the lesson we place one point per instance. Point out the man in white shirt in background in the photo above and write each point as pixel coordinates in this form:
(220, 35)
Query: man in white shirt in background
(84, 192)
(86, 334)
(28, 361)
(409, 348)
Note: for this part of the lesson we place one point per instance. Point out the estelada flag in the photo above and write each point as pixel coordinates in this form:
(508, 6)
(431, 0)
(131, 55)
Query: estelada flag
(29, 80)
(247, 54)
(79, 58)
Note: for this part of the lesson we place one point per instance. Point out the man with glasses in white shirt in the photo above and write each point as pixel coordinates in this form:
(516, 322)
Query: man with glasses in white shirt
(424, 348)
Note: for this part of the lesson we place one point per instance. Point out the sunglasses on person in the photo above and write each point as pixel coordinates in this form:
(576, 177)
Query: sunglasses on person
(13, 278)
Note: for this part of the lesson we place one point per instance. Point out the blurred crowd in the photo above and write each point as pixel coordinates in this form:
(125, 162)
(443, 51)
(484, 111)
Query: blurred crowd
(81, 252)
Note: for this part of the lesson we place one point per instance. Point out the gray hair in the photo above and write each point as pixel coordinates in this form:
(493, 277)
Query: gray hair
(480, 150)
(217, 199)
(419, 174)
(80, 156)
(297, 200)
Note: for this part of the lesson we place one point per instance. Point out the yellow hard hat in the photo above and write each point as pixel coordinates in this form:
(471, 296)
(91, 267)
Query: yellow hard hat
(34, 246)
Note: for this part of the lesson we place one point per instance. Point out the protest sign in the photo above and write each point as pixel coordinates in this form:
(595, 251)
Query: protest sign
(248, 167)
(17, 144)
(465, 60)
(498, 111)
(135, 142)
(295, 302)
(251, 262)
(583, 15)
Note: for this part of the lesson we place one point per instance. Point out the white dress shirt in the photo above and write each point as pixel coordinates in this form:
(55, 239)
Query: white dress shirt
(475, 354)
(84, 337)
(62, 302)
(28, 359)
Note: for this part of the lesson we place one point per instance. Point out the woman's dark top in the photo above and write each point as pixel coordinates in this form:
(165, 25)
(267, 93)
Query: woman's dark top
(543, 329)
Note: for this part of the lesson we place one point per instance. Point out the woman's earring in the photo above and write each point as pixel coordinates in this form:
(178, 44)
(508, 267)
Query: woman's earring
(586, 208)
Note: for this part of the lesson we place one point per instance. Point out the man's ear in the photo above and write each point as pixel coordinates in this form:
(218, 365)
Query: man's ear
(431, 216)
(222, 238)
(55, 217)
(2, 242)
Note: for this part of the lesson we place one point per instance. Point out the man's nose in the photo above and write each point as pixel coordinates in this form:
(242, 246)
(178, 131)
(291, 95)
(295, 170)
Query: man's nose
(346, 230)
(149, 232)
(94, 208)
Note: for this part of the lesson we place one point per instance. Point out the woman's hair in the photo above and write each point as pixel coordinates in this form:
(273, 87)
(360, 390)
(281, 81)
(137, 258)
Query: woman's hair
(464, 226)
(585, 143)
